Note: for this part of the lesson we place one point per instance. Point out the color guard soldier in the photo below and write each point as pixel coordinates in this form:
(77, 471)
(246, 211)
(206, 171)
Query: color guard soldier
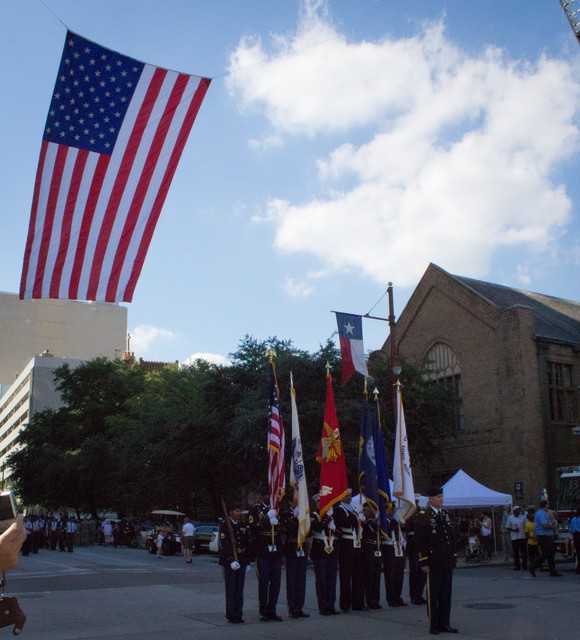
(296, 562)
(349, 528)
(372, 557)
(394, 560)
(435, 542)
(324, 556)
(417, 578)
(234, 558)
(266, 541)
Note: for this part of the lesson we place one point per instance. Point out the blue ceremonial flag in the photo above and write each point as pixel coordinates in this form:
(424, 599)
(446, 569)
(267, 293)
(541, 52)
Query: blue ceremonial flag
(367, 467)
(383, 488)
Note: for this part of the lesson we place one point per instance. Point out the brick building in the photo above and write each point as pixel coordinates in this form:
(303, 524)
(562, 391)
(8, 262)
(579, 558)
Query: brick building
(513, 359)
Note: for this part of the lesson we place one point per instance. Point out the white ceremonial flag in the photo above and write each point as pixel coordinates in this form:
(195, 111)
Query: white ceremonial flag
(297, 474)
(403, 489)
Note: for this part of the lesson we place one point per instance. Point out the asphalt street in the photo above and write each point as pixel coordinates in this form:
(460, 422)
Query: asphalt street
(128, 594)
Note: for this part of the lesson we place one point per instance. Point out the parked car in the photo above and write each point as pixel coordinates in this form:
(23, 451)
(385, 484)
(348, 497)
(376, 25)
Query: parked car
(203, 536)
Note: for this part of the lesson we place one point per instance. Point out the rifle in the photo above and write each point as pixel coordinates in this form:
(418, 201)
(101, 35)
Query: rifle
(230, 530)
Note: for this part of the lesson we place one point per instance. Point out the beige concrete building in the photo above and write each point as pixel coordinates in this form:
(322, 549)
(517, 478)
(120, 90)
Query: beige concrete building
(71, 329)
(513, 359)
(32, 391)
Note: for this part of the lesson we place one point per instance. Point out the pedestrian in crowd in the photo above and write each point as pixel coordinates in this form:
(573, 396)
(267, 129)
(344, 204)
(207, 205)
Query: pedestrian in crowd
(71, 529)
(234, 557)
(107, 529)
(371, 557)
(486, 533)
(435, 540)
(393, 560)
(533, 551)
(416, 575)
(296, 561)
(545, 528)
(324, 556)
(348, 520)
(574, 531)
(266, 540)
(506, 539)
(187, 533)
(159, 543)
(516, 524)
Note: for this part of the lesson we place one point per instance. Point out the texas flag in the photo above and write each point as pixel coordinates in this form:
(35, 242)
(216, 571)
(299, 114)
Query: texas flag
(351, 345)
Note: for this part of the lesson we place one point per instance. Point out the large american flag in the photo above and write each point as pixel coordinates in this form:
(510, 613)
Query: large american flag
(276, 444)
(115, 131)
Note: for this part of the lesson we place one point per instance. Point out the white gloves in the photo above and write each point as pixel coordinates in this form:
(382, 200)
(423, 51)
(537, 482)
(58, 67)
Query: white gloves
(235, 565)
(274, 520)
(272, 513)
(359, 508)
(330, 511)
(361, 516)
(295, 511)
(331, 525)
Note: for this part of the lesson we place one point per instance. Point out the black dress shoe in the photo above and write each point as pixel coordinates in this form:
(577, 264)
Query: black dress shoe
(325, 613)
(401, 603)
(303, 615)
(434, 631)
(275, 618)
(293, 615)
(265, 618)
(376, 606)
(419, 601)
(447, 629)
(393, 604)
(334, 612)
(555, 574)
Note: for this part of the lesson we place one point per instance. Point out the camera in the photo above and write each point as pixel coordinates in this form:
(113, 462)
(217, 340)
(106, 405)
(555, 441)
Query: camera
(8, 508)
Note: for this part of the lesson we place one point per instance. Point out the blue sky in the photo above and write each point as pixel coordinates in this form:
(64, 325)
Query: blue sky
(341, 145)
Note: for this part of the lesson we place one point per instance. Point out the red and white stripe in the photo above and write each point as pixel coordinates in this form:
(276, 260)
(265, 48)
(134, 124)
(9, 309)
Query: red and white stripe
(276, 461)
(93, 215)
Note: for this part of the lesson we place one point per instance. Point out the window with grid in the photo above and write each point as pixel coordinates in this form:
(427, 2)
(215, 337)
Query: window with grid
(561, 392)
(443, 367)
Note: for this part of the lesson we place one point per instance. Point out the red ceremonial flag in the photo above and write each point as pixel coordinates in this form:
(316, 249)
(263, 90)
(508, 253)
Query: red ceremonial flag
(114, 134)
(276, 444)
(333, 483)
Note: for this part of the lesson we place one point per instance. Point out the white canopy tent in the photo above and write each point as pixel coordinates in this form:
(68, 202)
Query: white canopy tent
(462, 492)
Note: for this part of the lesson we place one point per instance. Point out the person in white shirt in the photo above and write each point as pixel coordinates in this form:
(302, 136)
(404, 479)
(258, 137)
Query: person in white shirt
(187, 532)
(516, 525)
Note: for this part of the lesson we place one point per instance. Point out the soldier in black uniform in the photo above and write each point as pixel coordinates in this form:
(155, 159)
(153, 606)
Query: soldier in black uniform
(372, 557)
(296, 562)
(417, 577)
(265, 534)
(324, 556)
(234, 558)
(394, 560)
(350, 572)
(435, 542)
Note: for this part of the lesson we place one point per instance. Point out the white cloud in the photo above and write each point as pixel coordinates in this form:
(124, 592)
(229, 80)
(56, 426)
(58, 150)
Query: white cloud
(297, 289)
(212, 358)
(144, 336)
(460, 158)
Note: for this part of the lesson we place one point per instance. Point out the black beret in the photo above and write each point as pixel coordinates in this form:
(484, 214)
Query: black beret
(434, 491)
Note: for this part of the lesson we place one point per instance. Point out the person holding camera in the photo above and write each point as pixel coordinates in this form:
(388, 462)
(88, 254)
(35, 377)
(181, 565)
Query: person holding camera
(10, 543)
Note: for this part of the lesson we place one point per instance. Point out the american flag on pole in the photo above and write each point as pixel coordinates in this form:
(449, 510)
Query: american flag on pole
(114, 134)
(276, 442)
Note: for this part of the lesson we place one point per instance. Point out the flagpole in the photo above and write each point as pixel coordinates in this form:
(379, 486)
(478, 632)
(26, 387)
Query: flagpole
(395, 361)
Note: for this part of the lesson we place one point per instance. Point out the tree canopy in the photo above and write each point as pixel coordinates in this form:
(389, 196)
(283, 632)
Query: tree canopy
(184, 437)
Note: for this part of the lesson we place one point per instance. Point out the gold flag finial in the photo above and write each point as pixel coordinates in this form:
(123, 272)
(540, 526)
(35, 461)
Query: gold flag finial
(270, 354)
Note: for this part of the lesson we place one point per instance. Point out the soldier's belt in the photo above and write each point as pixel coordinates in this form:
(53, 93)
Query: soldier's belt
(349, 536)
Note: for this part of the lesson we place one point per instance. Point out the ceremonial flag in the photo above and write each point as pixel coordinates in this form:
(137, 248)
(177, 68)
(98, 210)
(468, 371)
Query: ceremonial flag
(351, 345)
(383, 485)
(403, 488)
(333, 483)
(114, 134)
(276, 443)
(297, 474)
(367, 466)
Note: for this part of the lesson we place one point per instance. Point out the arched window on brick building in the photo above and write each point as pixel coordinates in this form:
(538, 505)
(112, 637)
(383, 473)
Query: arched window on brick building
(443, 367)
